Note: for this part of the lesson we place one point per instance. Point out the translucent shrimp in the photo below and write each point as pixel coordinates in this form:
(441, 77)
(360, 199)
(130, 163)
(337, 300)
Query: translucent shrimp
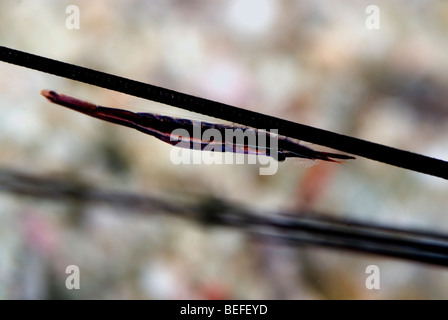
(164, 128)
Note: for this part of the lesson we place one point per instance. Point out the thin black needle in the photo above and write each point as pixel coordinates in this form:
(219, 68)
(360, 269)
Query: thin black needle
(419, 246)
(392, 156)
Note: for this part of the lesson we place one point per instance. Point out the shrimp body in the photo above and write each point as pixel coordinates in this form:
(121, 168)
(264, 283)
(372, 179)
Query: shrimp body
(190, 134)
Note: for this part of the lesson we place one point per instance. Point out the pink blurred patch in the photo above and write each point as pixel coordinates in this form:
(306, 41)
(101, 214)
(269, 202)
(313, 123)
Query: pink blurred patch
(40, 233)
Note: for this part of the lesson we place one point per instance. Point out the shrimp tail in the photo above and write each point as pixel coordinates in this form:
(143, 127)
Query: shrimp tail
(329, 156)
(309, 153)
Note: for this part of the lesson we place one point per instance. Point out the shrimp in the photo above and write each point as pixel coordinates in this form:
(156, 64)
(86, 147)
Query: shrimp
(165, 127)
